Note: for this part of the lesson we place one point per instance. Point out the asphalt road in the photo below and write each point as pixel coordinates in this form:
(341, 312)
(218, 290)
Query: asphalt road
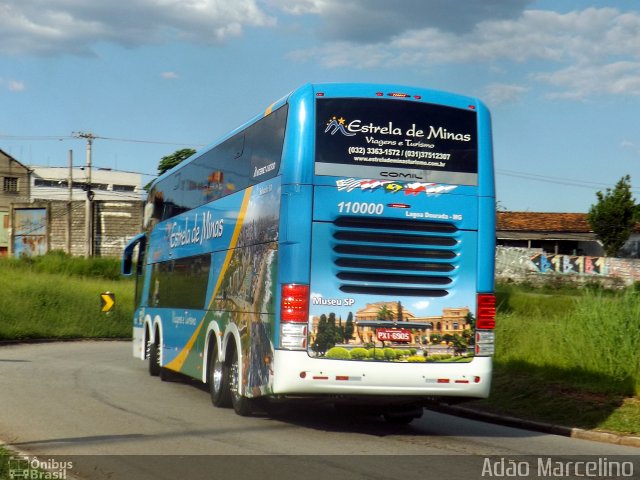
(95, 404)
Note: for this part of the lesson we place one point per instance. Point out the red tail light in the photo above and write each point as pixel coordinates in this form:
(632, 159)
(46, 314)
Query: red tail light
(486, 312)
(294, 303)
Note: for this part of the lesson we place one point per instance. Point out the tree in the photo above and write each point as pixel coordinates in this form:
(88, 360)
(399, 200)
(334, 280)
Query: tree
(323, 340)
(459, 344)
(613, 217)
(349, 328)
(334, 331)
(384, 313)
(169, 161)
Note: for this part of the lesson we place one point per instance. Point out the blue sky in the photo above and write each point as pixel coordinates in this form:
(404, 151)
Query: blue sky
(561, 78)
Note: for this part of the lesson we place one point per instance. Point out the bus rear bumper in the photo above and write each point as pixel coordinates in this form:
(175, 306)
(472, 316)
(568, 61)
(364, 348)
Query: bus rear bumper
(300, 374)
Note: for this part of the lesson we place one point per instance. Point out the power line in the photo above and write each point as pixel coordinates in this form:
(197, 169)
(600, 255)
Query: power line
(556, 180)
(36, 137)
(509, 173)
(130, 140)
(80, 135)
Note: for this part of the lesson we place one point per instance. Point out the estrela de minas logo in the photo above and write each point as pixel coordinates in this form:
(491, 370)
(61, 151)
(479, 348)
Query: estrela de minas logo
(335, 125)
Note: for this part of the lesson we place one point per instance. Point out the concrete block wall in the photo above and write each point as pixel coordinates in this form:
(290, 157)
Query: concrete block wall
(114, 223)
(533, 265)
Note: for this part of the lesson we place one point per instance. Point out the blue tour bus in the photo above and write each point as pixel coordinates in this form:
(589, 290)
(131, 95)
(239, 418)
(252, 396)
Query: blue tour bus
(340, 245)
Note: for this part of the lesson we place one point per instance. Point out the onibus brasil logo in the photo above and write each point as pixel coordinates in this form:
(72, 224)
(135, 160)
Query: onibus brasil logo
(25, 467)
(335, 125)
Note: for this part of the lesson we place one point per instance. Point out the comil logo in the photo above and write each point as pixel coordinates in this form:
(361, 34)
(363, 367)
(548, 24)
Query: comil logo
(335, 125)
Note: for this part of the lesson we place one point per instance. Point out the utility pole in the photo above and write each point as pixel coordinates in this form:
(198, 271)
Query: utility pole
(70, 204)
(88, 216)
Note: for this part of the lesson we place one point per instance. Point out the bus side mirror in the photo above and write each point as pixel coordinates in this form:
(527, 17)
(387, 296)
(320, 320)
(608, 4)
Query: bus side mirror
(147, 217)
(127, 264)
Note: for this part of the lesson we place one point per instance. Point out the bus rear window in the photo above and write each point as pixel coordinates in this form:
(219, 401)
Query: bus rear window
(384, 138)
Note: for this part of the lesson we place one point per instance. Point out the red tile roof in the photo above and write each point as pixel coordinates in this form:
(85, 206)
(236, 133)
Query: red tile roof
(543, 222)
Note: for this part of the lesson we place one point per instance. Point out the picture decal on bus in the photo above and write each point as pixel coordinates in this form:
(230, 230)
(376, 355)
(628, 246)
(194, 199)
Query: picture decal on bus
(391, 331)
(244, 288)
(391, 186)
(394, 138)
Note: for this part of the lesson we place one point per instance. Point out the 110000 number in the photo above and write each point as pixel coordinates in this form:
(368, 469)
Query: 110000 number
(361, 207)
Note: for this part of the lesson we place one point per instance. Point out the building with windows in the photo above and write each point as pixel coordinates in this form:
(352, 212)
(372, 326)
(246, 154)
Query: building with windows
(57, 208)
(81, 214)
(52, 183)
(15, 188)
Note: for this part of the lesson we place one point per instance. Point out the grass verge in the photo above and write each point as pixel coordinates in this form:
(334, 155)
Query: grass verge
(5, 455)
(40, 304)
(569, 359)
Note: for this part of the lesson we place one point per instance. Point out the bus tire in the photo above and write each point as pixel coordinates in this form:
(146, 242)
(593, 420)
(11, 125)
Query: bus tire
(403, 416)
(399, 419)
(154, 360)
(242, 405)
(218, 379)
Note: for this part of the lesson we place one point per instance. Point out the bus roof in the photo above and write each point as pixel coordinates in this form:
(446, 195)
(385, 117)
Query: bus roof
(363, 90)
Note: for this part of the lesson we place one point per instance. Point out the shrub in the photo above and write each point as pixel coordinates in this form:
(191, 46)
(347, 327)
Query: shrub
(438, 357)
(359, 353)
(376, 353)
(338, 353)
(389, 354)
(416, 359)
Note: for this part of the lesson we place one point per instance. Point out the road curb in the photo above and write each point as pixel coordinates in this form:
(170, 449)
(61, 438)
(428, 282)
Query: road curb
(592, 435)
(35, 341)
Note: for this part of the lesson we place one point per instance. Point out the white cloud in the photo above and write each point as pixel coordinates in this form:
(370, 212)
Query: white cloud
(498, 94)
(586, 52)
(630, 145)
(12, 85)
(170, 75)
(16, 86)
(74, 26)
(422, 305)
(345, 54)
(372, 21)
(299, 7)
(581, 81)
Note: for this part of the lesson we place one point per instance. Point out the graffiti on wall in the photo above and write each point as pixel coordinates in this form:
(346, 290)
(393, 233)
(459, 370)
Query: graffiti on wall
(30, 235)
(568, 264)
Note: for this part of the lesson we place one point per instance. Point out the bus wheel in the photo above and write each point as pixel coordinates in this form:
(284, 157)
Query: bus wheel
(403, 416)
(154, 360)
(399, 419)
(218, 380)
(242, 405)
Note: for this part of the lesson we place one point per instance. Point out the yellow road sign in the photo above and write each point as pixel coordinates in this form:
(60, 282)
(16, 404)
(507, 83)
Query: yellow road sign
(108, 301)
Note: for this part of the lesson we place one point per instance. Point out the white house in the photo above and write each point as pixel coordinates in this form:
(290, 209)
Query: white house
(52, 183)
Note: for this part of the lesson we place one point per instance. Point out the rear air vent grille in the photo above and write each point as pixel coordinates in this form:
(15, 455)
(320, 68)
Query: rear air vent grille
(394, 256)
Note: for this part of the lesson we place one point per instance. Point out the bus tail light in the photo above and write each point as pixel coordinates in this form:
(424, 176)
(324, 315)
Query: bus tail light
(486, 312)
(294, 315)
(485, 324)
